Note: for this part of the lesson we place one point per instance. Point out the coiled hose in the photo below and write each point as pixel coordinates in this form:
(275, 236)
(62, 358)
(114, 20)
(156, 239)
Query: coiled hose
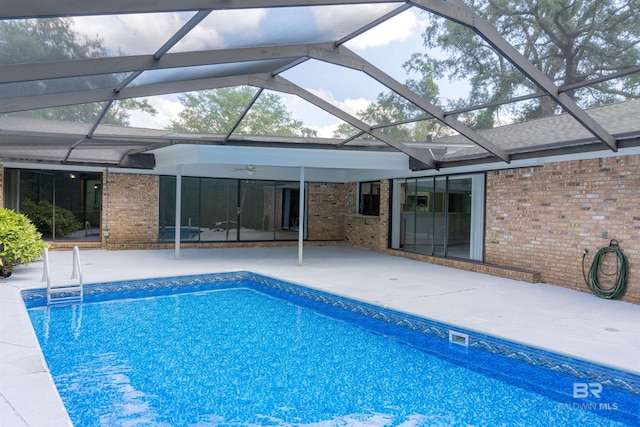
(622, 270)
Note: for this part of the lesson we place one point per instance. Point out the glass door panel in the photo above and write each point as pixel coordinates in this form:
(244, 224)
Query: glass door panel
(459, 217)
(408, 215)
(439, 217)
(256, 208)
(190, 210)
(424, 216)
(219, 215)
(92, 204)
(167, 208)
(287, 220)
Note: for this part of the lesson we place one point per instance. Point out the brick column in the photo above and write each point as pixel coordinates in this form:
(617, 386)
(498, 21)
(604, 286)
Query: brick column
(327, 204)
(130, 208)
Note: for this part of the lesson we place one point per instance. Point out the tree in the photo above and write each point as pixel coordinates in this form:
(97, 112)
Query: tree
(216, 111)
(38, 40)
(571, 41)
(390, 107)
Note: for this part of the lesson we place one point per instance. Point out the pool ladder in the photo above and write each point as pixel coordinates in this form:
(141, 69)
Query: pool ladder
(64, 294)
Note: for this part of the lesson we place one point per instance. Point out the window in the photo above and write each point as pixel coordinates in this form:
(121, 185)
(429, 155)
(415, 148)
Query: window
(370, 198)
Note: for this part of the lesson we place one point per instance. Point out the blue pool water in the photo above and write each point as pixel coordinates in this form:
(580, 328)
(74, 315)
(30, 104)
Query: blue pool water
(236, 356)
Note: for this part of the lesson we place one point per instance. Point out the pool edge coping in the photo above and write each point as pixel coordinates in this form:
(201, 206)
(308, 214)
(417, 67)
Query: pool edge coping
(49, 410)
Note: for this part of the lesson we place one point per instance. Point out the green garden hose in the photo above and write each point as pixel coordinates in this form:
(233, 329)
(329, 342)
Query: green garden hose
(622, 270)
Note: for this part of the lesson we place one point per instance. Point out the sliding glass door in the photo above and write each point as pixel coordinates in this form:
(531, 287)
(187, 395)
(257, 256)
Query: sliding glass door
(217, 209)
(63, 205)
(440, 216)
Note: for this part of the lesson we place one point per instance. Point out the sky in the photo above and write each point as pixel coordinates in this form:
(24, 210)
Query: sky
(387, 46)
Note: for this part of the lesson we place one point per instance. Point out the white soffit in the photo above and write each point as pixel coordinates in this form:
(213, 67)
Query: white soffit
(287, 161)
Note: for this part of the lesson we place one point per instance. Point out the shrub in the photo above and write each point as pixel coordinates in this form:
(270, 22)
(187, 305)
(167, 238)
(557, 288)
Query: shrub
(41, 215)
(20, 242)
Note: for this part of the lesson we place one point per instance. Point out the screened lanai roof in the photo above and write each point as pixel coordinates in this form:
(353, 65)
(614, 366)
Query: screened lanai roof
(70, 70)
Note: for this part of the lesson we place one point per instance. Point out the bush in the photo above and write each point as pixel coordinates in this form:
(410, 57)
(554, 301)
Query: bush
(41, 215)
(20, 242)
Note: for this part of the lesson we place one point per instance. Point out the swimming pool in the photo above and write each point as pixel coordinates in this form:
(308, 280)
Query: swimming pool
(250, 350)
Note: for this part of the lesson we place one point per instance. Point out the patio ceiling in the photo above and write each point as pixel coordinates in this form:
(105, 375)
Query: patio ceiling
(263, 60)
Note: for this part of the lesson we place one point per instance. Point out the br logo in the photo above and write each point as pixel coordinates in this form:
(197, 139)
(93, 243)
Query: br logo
(583, 390)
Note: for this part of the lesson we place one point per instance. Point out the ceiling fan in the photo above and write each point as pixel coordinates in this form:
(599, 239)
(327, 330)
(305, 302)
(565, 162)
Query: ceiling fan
(250, 169)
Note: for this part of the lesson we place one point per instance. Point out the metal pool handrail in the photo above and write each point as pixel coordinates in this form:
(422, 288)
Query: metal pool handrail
(64, 294)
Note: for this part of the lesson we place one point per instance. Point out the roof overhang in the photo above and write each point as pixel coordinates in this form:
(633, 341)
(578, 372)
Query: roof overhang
(321, 165)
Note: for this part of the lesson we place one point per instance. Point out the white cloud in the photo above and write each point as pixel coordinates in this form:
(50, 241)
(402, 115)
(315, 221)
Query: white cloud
(350, 105)
(317, 119)
(236, 21)
(133, 34)
(348, 16)
(137, 34)
(323, 122)
(168, 109)
(211, 32)
(354, 106)
(326, 131)
(200, 38)
(399, 28)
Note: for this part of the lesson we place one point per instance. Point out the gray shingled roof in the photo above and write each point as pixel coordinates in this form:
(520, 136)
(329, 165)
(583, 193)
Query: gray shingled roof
(27, 139)
(621, 120)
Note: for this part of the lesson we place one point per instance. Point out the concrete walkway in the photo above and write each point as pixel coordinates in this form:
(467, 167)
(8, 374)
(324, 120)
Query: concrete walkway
(552, 318)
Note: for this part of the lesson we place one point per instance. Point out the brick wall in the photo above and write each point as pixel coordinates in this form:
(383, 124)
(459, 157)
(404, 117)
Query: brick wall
(326, 211)
(365, 231)
(543, 218)
(132, 216)
(131, 203)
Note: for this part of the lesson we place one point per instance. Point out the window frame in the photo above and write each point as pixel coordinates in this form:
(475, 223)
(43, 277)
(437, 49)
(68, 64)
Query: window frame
(371, 206)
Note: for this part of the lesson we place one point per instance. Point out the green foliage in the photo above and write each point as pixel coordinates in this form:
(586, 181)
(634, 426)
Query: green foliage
(41, 215)
(570, 41)
(216, 111)
(391, 107)
(20, 242)
(38, 40)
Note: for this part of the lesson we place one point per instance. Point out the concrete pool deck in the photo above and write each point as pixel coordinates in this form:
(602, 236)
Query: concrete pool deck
(540, 315)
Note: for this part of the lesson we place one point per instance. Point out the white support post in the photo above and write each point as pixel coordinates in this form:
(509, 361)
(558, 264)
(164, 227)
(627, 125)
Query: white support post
(301, 216)
(178, 210)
